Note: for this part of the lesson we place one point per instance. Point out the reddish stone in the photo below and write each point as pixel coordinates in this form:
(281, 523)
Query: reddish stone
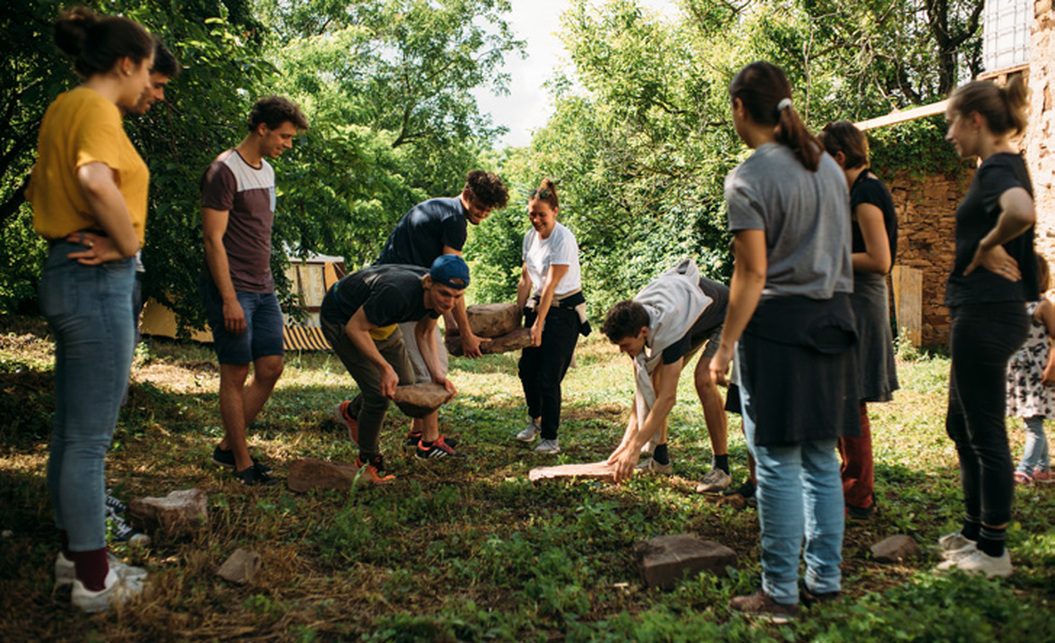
(309, 473)
(664, 561)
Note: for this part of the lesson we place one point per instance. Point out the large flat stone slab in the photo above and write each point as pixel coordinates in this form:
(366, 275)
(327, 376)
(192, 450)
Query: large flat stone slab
(179, 511)
(590, 471)
(512, 341)
(493, 320)
(425, 395)
(665, 560)
(310, 473)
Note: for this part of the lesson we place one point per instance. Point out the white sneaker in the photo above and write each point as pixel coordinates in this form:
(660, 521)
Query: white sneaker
(530, 432)
(716, 480)
(548, 447)
(955, 540)
(979, 562)
(650, 466)
(65, 572)
(117, 592)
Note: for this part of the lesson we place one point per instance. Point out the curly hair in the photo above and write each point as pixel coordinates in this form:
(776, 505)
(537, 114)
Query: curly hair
(273, 111)
(488, 188)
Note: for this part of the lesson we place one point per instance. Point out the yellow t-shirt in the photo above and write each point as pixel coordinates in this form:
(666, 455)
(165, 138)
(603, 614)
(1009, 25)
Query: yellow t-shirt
(82, 127)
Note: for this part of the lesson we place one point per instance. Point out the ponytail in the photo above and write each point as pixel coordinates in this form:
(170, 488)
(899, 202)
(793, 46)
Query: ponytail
(97, 42)
(765, 93)
(1003, 108)
(546, 191)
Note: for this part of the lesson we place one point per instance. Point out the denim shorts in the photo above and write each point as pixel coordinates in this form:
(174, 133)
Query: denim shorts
(263, 325)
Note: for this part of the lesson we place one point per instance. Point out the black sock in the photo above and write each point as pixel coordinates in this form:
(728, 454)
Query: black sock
(991, 541)
(971, 529)
(722, 462)
(660, 454)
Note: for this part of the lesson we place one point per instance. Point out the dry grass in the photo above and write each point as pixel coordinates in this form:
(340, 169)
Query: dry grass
(455, 549)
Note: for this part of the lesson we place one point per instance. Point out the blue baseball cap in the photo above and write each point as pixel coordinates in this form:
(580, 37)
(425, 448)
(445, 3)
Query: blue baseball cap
(451, 271)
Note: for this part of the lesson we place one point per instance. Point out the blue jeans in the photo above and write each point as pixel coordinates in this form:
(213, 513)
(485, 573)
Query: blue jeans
(1035, 457)
(800, 494)
(89, 312)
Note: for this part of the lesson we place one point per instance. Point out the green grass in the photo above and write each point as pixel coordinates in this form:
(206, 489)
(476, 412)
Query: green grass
(470, 550)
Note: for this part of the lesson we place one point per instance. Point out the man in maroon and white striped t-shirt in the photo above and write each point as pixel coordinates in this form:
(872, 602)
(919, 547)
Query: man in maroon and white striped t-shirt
(238, 209)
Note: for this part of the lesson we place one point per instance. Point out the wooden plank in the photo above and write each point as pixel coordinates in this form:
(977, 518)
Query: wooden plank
(590, 471)
(908, 302)
(899, 116)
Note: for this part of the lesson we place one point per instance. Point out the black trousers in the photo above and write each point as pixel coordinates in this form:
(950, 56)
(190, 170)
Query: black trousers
(983, 339)
(542, 368)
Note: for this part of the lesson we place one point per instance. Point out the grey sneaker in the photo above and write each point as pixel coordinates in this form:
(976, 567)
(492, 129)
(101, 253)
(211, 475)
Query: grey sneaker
(979, 562)
(65, 572)
(117, 592)
(530, 432)
(715, 481)
(548, 447)
(649, 466)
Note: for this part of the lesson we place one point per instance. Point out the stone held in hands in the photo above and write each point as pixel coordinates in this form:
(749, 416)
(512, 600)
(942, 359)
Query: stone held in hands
(896, 549)
(665, 560)
(425, 395)
(310, 473)
(512, 341)
(493, 320)
(241, 567)
(590, 471)
(179, 511)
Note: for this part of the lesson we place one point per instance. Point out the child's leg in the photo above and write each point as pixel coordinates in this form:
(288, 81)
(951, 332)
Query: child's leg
(1035, 446)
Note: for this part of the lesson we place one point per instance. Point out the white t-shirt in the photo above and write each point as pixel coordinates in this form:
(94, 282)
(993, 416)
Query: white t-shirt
(560, 249)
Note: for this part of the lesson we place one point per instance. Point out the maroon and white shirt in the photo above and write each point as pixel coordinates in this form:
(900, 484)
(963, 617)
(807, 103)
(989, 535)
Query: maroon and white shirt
(247, 193)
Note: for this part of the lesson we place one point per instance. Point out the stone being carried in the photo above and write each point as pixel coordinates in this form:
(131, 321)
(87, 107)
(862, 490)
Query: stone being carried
(360, 318)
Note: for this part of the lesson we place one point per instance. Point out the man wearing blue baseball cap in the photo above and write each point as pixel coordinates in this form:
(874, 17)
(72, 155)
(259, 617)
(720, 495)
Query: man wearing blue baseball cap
(360, 318)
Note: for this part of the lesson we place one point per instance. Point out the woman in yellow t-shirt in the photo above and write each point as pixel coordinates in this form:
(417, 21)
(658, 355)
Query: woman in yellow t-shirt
(88, 190)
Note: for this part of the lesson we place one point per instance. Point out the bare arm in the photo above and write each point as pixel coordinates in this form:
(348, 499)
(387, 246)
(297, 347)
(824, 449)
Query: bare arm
(523, 288)
(1045, 312)
(108, 207)
(470, 342)
(1016, 216)
(424, 333)
(749, 278)
(553, 277)
(213, 227)
(876, 257)
(358, 330)
(665, 380)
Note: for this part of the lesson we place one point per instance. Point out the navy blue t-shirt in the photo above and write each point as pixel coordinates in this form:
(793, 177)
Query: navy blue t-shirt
(422, 233)
(868, 189)
(388, 294)
(975, 217)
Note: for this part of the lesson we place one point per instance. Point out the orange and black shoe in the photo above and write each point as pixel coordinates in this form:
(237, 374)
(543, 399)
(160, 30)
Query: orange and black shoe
(412, 439)
(343, 414)
(373, 470)
(438, 449)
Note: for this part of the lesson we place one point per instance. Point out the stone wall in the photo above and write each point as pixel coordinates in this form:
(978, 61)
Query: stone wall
(926, 211)
(1039, 141)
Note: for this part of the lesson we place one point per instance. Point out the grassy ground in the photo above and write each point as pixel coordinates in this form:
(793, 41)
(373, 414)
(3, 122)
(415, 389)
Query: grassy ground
(470, 549)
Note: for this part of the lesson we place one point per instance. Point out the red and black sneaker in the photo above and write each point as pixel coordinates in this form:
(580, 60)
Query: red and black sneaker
(343, 414)
(412, 439)
(373, 470)
(438, 449)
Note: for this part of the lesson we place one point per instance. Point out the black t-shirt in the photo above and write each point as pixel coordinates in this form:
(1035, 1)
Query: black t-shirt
(975, 217)
(869, 189)
(420, 235)
(388, 294)
(711, 318)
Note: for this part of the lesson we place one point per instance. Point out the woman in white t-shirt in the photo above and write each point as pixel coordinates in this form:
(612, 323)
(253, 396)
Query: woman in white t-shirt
(550, 294)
